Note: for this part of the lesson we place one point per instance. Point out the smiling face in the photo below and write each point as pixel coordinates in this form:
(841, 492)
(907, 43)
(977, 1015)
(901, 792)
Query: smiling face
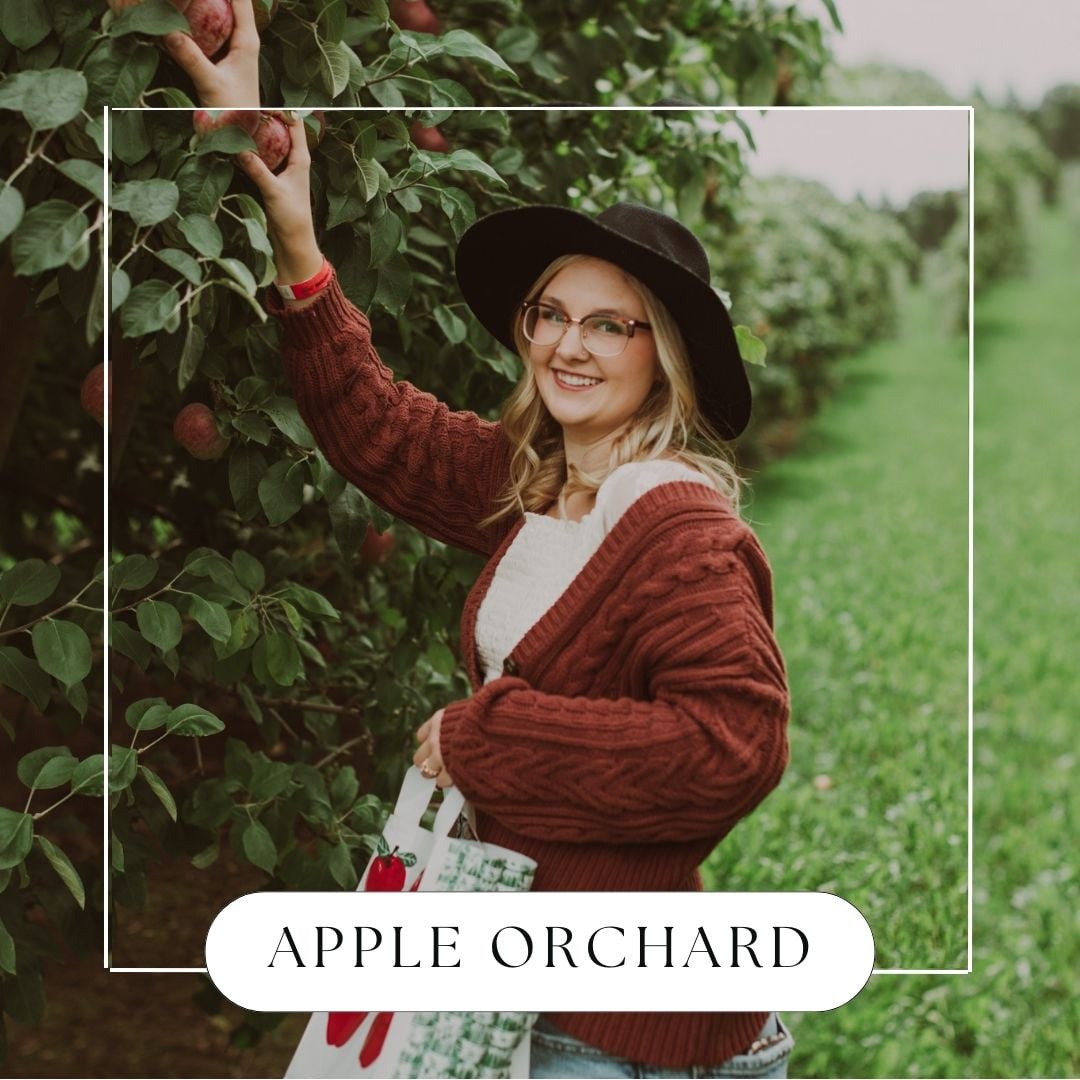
(588, 414)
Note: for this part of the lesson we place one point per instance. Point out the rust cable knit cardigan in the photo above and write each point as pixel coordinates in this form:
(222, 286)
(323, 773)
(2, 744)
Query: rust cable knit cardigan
(640, 718)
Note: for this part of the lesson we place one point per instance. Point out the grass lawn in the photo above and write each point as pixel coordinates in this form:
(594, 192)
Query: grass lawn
(866, 529)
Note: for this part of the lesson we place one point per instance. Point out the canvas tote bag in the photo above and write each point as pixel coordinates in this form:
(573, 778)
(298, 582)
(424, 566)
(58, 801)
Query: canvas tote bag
(425, 1044)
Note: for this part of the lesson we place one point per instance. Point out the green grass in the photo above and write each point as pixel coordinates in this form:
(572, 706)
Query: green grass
(866, 531)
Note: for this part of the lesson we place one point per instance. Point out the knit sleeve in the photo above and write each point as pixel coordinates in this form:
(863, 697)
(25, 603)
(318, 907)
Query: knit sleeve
(423, 462)
(699, 754)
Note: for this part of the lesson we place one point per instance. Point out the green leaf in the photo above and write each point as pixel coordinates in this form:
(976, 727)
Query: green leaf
(155, 17)
(254, 427)
(369, 176)
(207, 857)
(259, 846)
(123, 765)
(47, 237)
(311, 601)
(270, 779)
(24, 22)
(467, 161)
(191, 354)
(463, 44)
(450, 324)
(148, 308)
(157, 786)
(47, 767)
(118, 74)
(247, 466)
(147, 202)
(441, 658)
(65, 868)
(283, 658)
(49, 99)
(459, 207)
(11, 210)
(182, 263)
(159, 623)
(89, 776)
(239, 273)
(395, 284)
(213, 618)
(349, 520)
(89, 175)
(752, 349)
(132, 572)
(286, 418)
(225, 140)
(202, 233)
(7, 950)
(129, 643)
(193, 720)
(120, 288)
(334, 67)
(341, 866)
(249, 570)
(129, 139)
(516, 44)
(386, 235)
(281, 490)
(147, 714)
(63, 650)
(19, 673)
(29, 582)
(16, 837)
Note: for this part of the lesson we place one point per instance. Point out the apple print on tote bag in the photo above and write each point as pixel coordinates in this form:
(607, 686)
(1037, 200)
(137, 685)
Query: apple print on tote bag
(424, 1044)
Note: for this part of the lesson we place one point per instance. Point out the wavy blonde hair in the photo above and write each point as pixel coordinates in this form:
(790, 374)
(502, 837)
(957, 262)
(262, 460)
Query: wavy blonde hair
(668, 422)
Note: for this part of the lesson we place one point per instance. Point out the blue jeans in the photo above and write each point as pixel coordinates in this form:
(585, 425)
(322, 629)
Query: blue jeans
(553, 1053)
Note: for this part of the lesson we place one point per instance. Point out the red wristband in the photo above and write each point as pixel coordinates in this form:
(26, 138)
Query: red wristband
(303, 289)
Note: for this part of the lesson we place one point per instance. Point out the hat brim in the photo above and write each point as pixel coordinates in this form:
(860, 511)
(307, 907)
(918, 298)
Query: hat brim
(501, 255)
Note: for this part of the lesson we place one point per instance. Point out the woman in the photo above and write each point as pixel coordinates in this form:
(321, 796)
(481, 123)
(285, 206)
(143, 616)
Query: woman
(630, 702)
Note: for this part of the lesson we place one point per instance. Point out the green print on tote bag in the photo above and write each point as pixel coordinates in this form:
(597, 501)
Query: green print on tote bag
(410, 858)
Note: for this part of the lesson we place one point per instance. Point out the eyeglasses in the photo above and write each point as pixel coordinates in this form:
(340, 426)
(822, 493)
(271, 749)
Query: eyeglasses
(602, 335)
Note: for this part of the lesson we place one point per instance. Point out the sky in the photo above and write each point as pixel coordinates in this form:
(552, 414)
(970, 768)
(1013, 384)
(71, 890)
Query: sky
(995, 45)
(873, 152)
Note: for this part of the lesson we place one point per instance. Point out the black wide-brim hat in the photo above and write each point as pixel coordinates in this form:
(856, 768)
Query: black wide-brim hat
(501, 255)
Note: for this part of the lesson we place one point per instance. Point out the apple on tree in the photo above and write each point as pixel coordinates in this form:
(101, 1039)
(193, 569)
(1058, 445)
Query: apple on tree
(376, 545)
(92, 392)
(428, 138)
(196, 430)
(272, 139)
(414, 15)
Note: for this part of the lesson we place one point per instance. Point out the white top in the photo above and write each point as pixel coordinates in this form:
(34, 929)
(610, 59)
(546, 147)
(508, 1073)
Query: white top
(548, 553)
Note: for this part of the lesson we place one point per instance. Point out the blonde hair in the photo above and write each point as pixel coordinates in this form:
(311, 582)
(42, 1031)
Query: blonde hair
(668, 422)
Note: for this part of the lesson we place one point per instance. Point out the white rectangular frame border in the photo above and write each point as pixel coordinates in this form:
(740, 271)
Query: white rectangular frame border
(970, 109)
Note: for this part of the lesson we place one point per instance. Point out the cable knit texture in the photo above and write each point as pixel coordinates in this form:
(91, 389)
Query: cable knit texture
(637, 720)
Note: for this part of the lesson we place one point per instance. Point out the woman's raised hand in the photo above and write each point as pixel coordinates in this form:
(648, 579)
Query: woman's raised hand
(233, 82)
(287, 198)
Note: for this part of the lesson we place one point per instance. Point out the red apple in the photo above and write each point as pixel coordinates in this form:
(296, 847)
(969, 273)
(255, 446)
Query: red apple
(196, 431)
(211, 22)
(206, 120)
(92, 393)
(414, 15)
(376, 546)
(272, 141)
(386, 874)
(428, 138)
(264, 14)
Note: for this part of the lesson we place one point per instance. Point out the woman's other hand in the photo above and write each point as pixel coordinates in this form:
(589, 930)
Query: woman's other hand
(287, 198)
(429, 756)
(233, 82)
